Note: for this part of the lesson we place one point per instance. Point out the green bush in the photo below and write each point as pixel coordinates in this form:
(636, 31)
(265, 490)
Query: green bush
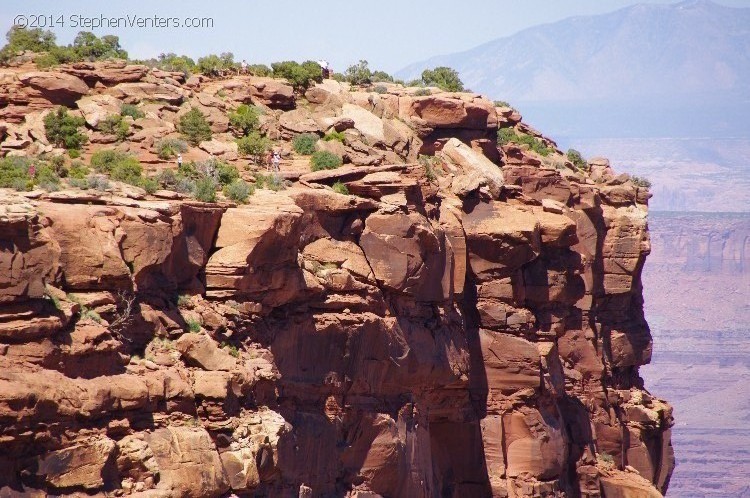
(305, 143)
(381, 76)
(173, 180)
(444, 78)
(98, 182)
(168, 148)
(78, 170)
(215, 65)
(132, 111)
(509, 135)
(103, 161)
(299, 75)
(577, 159)
(334, 135)
(422, 92)
(253, 145)
(502, 103)
(324, 160)
(205, 190)
(340, 188)
(86, 46)
(122, 167)
(115, 125)
(62, 129)
(20, 39)
(380, 89)
(226, 173)
(170, 62)
(81, 183)
(272, 181)
(47, 178)
(74, 153)
(194, 127)
(245, 118)
(641, 181)
(238, 191)
(358, 74)
(14, 172)
(193, 325)
(129, 170)
(259, 70)
(150, 185)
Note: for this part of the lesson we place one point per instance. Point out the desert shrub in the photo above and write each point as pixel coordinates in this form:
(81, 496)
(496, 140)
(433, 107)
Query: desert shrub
(46, 177)
(299, 75)
(231, 349)
(641, 181)
(226, 173)
(380, 89)
(78, 170)
(509, 135)
(129, 170)
(259, 70)
(577, 159)
(271, 181)
(173, 180)
(305, 143)
(149, 184)
(334, 135)
(238, 191)
(20, 39)
(74, 153)
(103, 161)
(323, 159)
(444, 78)
(58, 165)
(429, 163)
(98, 182)
(502, 103)
(358, 74)
(132, 111)
(422, 92)
(381, 76)
(253, 145)
(115, 125)
(245, 118)
(62, 129)
(81, 183)
(193, 325)
(205, 189)
(214, 65)
(194, 127)
(168, 148)
(14, 172)
(340, 188)
(171, 62)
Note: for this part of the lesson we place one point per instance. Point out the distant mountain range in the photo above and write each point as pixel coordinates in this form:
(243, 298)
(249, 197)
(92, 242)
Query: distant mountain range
(645, 70)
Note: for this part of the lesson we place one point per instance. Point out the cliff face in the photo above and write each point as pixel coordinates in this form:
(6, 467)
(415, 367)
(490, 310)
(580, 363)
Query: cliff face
(468, 327)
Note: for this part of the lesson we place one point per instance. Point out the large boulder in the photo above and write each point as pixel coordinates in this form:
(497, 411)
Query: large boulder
(87, 465)
(58, 88)
(189, 465)
(96, 108)
(500, 239)
(474, 165)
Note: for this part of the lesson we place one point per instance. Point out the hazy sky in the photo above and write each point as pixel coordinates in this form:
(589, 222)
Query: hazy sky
(388, 33)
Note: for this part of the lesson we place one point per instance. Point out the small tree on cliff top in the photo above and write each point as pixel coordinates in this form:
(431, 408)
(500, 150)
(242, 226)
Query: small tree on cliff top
(444, 78)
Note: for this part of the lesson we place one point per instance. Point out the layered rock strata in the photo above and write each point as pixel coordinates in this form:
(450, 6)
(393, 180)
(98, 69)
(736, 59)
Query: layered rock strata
(467, 326)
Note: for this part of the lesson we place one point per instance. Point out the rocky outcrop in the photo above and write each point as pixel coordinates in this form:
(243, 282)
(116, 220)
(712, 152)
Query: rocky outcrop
(467, 325)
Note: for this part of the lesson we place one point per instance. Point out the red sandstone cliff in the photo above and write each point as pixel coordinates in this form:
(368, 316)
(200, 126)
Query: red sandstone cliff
(474, 331)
